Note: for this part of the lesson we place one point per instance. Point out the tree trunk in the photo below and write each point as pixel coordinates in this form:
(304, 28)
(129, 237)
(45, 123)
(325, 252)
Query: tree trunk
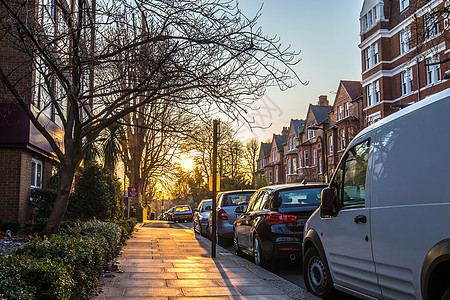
(67, 174)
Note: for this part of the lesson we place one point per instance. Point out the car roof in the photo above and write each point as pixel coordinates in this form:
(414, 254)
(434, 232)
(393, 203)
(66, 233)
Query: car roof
(295, 185)
(237, 192)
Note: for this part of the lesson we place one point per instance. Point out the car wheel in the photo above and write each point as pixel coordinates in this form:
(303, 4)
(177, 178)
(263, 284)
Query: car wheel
(237, 249)
(195, 228)
(257, 252)
(219, 239)
(317, 275)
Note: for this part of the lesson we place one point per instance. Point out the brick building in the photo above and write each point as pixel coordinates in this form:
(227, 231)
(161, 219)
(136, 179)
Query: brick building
(404, 46)
(274, 170)
(310, 148)
(345, 121)
(263, 160)
(291, 162)
(27, 160)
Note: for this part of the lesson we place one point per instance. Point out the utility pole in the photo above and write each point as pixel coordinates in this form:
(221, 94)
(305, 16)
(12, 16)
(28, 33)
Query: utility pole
(214, 190)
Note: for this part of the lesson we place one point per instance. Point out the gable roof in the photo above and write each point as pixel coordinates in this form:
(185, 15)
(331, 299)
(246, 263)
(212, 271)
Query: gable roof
(279, 140)
(265, 148)
(353, 88)
(296, 124)
(320, 113)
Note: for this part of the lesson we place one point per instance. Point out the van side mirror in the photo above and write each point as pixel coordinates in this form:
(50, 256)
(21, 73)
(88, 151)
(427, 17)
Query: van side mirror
(239, 209)
(327, 202)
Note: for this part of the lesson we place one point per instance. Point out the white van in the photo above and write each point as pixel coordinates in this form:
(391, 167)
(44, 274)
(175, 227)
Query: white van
(383, 228)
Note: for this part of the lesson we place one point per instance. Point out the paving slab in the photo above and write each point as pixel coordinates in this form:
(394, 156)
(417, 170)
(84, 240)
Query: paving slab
(164, 263)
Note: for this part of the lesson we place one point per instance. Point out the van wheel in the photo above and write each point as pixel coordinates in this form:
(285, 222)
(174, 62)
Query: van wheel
(446, 294)
(317, 275)
(257, 252)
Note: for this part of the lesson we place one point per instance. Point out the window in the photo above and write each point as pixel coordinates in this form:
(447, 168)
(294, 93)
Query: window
(269, 174)
(351, 134)
(339, 112)
(433, 69)
(306, 158)
(300, 158)
(36, 173)
(315, 157)
(274, 155)
(311, 133)
(320, 165)
(294, 165)
(431, 25)
(404, 4)
(276, 174)
(405, 40)
(330, 144)
(367, 57)
(300, 197)
(345, 109)
(350, 178)
(407, 81)
(374, 52)
(289, 165)
(373, 93)
(342, 139)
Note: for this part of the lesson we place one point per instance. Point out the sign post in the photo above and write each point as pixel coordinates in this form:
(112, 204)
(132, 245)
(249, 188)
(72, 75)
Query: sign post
(132, 192)
(214, 189)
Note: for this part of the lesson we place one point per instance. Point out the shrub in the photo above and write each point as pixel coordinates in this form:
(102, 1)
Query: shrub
(27, 277)
(62, 266)
(97, 195)
(42, 200)
(127, 227)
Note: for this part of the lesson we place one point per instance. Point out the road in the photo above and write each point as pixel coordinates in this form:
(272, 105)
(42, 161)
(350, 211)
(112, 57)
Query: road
(289, 270)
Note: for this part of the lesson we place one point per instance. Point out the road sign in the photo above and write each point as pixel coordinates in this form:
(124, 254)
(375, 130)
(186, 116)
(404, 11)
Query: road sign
(133, 191)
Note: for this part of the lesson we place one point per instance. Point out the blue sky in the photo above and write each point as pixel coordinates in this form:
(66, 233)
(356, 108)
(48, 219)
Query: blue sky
(327, 34)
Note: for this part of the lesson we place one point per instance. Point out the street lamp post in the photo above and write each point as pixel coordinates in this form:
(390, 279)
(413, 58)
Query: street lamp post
(324, 149)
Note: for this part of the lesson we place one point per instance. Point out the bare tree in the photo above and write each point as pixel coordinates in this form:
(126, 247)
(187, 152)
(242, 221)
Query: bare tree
(205, 55)
(251, 157)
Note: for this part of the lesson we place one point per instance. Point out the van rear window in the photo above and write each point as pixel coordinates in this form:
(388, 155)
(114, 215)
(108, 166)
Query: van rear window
(300, 197)
(236, 199)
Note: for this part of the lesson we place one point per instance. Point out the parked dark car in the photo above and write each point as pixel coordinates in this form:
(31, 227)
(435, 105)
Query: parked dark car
(201, 216)
(180, 213)
(271, 227)
(226, 203)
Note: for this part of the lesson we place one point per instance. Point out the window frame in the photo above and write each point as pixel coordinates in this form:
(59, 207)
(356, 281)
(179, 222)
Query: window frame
(36, 176)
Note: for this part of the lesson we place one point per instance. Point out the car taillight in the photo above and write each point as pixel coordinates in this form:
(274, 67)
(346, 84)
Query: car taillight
(222, 214)
(275, 218)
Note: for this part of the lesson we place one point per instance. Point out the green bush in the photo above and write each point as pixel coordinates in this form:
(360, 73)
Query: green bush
(42, 200)
(97, 195)
(28, 277)
(127, 227)
(62, 266)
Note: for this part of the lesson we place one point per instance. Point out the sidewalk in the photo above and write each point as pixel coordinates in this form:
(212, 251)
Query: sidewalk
(161, 262)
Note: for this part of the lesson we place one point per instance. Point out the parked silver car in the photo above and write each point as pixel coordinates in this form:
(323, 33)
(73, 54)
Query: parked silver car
(201, 216)
(226, 203)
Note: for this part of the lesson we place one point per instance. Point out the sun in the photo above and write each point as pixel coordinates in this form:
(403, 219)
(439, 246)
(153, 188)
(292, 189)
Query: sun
(187, 163)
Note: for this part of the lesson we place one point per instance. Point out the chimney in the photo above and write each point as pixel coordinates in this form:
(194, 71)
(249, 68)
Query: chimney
(323, 100)
(285, 131)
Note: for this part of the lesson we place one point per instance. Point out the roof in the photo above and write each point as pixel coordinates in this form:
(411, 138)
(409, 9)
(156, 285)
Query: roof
(265, 148)
(279, 140)
(353, 88)
(292, 152)
(296, 124)
(320, 113)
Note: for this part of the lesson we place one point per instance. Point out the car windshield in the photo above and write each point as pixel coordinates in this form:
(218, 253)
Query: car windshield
(182, 208)
(207, 203)
(300, 196)
(236, 199)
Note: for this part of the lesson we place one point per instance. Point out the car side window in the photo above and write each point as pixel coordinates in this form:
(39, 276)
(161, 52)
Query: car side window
(262, 199)
(252, 201)
(350, 178)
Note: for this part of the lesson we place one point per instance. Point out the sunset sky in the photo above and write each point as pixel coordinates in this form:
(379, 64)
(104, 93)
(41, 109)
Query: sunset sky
(327, 34)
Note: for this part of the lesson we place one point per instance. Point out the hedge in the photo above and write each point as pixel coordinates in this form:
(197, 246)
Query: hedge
(63, 266)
